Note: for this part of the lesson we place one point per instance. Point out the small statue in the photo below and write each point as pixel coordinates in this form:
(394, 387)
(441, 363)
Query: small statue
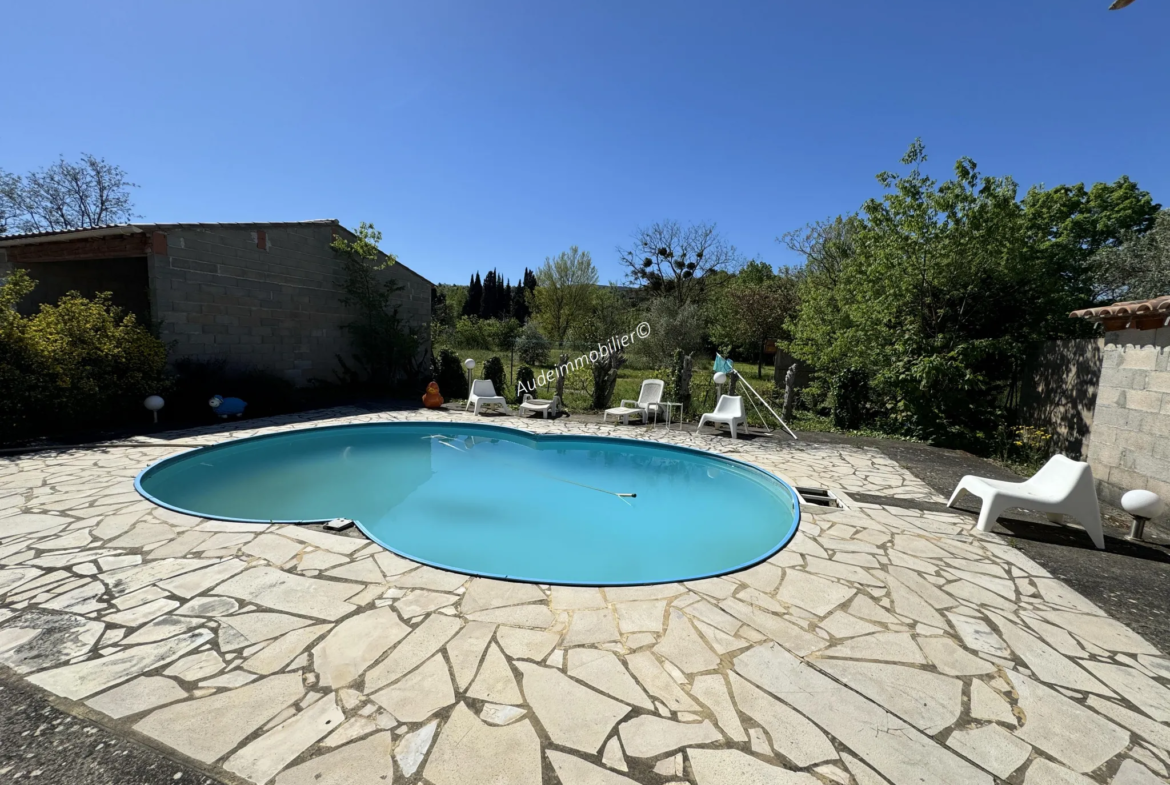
(227, 407)
(431, 399)
(789, 398)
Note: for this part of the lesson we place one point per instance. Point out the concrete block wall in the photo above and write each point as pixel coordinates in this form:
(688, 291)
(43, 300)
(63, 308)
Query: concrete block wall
(1131, 422)
(1059, 392)
(267, 296)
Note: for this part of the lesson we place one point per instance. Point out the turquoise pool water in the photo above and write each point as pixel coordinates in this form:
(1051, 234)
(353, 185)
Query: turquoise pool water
(498, 502)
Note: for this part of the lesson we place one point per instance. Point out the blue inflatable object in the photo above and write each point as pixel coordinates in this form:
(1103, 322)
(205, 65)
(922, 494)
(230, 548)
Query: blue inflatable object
(227, 407)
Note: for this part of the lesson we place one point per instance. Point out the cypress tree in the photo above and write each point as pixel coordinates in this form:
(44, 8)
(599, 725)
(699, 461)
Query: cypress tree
(519, 302)
(501, 297)
(487, 305)
(474, 297)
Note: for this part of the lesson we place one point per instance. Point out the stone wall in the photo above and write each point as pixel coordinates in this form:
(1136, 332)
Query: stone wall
(125, 279)
(1131, 423)
(267, 296)
(1059, 391)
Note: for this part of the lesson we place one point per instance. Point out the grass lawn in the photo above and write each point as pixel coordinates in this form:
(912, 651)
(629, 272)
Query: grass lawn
(579, 383)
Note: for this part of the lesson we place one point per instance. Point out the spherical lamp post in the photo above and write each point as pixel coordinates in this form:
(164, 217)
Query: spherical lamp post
(153, 403)
(720, 379)
(469, 364)
(1142, 505)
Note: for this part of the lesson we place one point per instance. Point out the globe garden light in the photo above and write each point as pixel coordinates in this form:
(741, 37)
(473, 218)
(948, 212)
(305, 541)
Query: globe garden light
(153, 403)
(1142, 505)
(720, 379)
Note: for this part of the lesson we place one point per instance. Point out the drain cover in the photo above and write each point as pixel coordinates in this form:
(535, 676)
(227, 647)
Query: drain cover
(818, 496)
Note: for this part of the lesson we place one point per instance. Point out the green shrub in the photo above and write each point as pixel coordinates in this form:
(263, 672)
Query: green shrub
(532, 347)
(526, 378)
(470, 333)
(77, 364)
(850, 399)
(493, 370)
(451, 376)
(1023, 447)
(501, 333)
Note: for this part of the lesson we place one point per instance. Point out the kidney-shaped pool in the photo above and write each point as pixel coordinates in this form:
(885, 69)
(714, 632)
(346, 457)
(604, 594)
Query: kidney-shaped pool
(496, 501)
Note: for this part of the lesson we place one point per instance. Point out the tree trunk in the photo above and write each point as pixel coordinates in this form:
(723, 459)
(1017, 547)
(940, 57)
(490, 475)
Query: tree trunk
(684, 396)
(564, 359)
(605, 375)
(789, 392)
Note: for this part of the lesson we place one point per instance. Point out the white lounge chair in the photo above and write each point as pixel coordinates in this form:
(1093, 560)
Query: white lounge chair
(1061, 486)
(483, 393)
(728, 411)
(649, 398)
(547, 407)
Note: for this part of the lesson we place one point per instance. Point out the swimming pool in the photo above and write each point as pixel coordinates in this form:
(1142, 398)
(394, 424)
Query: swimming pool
(496, 501)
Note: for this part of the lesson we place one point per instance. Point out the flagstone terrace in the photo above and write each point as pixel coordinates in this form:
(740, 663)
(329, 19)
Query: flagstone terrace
(885, 644)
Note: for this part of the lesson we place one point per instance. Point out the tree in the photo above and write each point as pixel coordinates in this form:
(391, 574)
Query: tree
(674, 261)
(493, 371)
(474, 297)
(611, 313)
(451, 299)
(90, 192)
(521, 294)
(487, 304)
(1066, 226)
(564, 296)
(383, 347)
(753, 308)
(934, 306)
(532, 347)
(673, 326)
(827, 246)
(501, 309)
(1139, 268)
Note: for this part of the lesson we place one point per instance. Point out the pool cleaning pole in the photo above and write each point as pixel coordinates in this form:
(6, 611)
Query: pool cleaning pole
(779, 419)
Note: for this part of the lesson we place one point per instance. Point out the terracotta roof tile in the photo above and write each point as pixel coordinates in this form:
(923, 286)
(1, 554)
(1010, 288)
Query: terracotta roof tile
(1158, 306)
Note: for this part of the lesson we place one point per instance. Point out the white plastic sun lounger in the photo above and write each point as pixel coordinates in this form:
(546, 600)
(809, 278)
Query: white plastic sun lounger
(1061, 486)
(649, 398)
(483, 393)
(545, 406)
(728, 411)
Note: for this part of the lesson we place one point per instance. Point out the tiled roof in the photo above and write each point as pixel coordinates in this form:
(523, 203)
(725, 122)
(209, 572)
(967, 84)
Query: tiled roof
(134, 228)
(1158, 306)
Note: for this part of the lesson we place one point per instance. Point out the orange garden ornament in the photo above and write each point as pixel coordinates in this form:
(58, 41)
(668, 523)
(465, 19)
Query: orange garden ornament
(432, 399)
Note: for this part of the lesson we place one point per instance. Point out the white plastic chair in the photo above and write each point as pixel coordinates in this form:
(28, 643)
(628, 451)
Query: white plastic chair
(483, 393)
(648, 398)
(728, 411)
(546, 406)
(1061, 486)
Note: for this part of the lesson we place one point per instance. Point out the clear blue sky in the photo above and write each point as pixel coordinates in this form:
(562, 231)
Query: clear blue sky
(493, 134)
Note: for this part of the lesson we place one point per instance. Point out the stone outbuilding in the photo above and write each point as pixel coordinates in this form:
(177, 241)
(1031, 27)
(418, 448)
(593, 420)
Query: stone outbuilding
(1130, 445)
(263, 295)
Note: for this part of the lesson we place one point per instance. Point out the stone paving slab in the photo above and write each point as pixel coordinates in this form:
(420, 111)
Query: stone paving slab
(886, 644)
